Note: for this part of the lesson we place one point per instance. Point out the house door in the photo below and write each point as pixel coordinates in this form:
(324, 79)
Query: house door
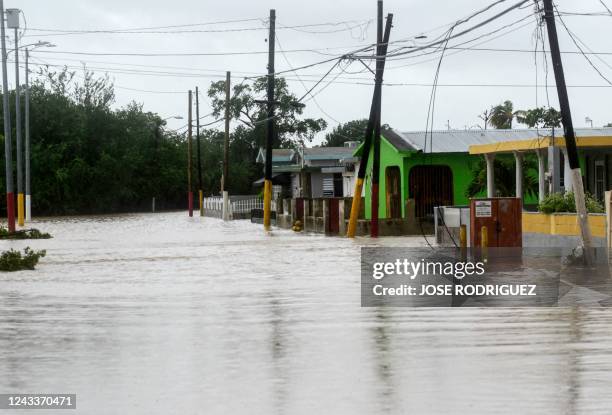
(600, 179)
(394, 192)
(429, 186)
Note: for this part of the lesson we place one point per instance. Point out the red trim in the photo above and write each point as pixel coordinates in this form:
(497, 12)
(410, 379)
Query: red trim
(10, 211)
(374, 225)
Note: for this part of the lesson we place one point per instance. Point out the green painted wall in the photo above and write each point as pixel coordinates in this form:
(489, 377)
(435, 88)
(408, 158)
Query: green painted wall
(459, 163)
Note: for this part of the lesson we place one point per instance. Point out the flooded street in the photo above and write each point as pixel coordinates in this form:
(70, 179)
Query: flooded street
(162, 314)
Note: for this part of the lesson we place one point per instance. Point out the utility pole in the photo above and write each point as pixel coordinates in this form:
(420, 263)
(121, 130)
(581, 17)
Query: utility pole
(228, 78)
(271, 123)
(225, 181)
(570, 138)
(13, 23)
(189, 157)
(380, 67)
(10, 195)
(28, 190)
(200, 192)
(376, 159)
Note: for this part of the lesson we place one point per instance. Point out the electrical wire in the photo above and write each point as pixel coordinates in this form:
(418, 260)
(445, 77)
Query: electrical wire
(574, 39)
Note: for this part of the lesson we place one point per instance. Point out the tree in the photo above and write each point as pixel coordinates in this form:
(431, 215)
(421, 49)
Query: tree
(502, 115)
(505, 177)
(350, 131)
(539, 117)
(291, 130)
(88, 158)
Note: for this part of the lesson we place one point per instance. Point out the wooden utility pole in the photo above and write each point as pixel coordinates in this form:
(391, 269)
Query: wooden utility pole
(270, 122)
(380, 66)
(199, 155)
(376, 158)
(228, 78)
(189, 157)
(570, 138)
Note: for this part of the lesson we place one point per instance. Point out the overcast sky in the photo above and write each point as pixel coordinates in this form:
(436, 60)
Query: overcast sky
(404, 106)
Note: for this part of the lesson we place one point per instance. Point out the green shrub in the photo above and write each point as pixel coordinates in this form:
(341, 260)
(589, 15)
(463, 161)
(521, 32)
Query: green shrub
(23, 234)
(12, 260)
(560, 203)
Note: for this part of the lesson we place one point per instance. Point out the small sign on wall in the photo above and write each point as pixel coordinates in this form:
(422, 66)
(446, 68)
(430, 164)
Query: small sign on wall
(483, 209)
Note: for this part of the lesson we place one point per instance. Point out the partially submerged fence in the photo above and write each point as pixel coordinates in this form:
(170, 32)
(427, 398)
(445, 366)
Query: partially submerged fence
(239, 207)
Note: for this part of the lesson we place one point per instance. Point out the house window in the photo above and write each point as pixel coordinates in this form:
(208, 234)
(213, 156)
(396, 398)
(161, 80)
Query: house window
(328, 186)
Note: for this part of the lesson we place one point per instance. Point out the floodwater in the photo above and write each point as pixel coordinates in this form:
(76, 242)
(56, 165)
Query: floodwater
(162, 314)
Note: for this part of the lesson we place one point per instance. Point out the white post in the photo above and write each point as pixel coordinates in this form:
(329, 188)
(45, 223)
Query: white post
(541, 176)
(567, 172)
(518, 158)
(226, 206)
(490, 159)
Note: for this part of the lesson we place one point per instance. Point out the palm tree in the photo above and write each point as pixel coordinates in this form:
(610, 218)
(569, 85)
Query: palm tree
(502, 115)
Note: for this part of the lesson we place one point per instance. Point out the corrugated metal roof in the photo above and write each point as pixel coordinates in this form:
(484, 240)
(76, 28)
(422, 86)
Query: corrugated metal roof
(459, 141)
(328, 153)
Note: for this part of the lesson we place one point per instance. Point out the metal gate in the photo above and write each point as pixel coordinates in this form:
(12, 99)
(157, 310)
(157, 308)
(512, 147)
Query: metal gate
(430, 186)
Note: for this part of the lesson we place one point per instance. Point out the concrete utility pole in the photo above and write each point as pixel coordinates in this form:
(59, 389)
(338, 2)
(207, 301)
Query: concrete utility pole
(228, 78)
(12, 19)
(570, 138)
(225, 181)
(376, 159)
(199, 155)
(189, 157)
(380, 67)
(10, 195)
(271, 122)
(28, 190)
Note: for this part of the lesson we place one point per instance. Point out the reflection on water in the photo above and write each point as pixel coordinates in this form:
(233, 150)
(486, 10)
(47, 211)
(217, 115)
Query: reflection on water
(160, 314)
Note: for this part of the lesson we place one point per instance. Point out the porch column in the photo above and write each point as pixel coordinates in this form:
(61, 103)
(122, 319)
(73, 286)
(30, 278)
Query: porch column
(567, 172)
(518, 158)
(490, 158)
(541, 175)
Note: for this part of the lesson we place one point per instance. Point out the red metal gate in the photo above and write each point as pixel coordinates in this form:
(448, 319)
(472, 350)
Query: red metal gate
(333, 216)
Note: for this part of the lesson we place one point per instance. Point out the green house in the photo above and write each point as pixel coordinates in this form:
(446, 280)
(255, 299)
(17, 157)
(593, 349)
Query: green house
(435, 169)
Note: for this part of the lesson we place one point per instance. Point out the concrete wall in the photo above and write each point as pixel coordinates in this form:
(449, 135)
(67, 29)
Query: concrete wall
(560, 229)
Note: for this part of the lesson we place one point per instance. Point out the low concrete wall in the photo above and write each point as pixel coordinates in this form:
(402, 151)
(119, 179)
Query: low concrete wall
(560, 229)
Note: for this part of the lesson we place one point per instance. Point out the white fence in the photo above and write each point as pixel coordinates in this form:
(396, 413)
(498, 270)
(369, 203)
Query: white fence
(239, 205)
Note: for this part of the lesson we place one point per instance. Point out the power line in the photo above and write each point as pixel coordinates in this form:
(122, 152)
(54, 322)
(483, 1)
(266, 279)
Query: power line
(65, 32)
(574, 37)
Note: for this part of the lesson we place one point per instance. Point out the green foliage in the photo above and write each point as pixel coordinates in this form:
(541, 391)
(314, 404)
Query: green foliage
(291, 130)
(12, 260)
(88, 158)
(505, 176)
(23, 234)
(559, 202)
(350, 131)
(501, 115)
(539, 117)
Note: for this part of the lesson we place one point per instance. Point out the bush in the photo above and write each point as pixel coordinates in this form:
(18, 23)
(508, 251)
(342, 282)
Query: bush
(558, 203)
(23, 234)
(13, 260)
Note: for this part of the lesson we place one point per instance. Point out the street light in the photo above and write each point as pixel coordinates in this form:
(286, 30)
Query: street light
(10, 196)
(174, 117)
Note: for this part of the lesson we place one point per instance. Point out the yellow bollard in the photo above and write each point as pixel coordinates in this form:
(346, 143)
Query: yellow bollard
(201, 203)
(352, 225)
(267, 203)
(20, 209)
(484, 242)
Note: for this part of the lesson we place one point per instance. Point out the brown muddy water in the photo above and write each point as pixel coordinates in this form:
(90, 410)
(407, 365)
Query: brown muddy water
(162, 314)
